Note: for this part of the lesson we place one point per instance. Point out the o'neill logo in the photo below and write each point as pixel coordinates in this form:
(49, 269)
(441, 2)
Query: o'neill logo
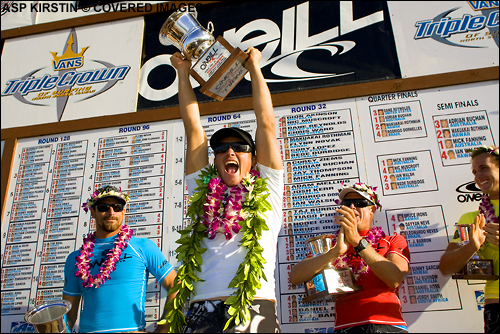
(283, 49)
(469, 192)
(67, 82)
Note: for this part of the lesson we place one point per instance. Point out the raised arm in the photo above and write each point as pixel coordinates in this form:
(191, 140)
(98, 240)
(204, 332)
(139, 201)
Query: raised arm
(268, 153)
(196, 139)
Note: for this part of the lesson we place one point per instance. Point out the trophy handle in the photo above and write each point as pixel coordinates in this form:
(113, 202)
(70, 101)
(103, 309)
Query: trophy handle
(210, 27)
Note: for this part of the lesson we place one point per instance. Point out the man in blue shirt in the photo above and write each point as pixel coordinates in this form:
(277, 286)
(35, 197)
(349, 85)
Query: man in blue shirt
(111, 270)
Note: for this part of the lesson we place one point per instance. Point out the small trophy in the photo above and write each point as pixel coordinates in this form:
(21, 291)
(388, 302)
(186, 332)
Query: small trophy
(329, 281)
(476, 268)
(50, 316)
(219, 66)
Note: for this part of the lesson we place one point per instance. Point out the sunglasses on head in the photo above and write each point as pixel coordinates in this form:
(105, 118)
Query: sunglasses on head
(117, 207)
(237, 147)
(359, 203)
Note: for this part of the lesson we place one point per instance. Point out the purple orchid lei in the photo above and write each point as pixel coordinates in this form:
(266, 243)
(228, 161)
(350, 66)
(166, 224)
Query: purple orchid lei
(344, 261)
(109, 265)
(220, 218)
(486, 208)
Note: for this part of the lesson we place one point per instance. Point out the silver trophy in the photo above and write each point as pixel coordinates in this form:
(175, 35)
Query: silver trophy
(219, 66)
(50, 317)
(329, 281)
(182, 30)
(476, 268)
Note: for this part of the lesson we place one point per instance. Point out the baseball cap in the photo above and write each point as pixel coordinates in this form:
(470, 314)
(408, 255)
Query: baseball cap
(220, 134)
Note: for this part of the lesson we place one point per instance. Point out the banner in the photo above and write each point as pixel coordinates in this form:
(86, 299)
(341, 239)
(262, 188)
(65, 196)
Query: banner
(444, 36)
(71, 74)
(304, 45)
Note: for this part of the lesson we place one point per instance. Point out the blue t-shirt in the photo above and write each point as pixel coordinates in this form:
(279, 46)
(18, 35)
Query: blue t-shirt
(118, 305)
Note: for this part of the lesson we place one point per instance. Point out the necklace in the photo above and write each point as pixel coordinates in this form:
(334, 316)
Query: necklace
(486, 208)
(220, 218)
(109, 265)
(345, 260)
(210, 215)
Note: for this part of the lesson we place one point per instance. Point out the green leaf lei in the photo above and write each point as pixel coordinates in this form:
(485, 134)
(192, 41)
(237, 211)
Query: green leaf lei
(250, 271)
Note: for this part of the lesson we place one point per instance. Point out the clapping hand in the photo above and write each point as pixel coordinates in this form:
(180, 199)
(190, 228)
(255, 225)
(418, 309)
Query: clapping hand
(491, 233)
(476, 233)
(346, 218)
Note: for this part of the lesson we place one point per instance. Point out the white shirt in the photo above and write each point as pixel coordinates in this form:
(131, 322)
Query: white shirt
(223, 257)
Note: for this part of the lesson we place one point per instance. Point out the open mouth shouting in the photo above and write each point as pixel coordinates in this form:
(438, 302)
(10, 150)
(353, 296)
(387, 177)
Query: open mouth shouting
(231, 167)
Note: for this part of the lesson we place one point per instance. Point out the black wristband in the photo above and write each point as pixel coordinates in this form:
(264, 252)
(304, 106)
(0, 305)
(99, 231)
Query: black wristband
(362, 245)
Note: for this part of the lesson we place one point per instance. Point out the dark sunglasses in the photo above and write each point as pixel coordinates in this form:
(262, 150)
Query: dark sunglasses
(359, 203)
(105, 207)
(237, 147)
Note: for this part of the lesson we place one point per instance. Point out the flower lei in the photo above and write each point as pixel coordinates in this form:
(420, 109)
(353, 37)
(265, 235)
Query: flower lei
(344, 261)
(223, 219)
(246, 204)
(486, 208)
(109, 265)
(107, 191)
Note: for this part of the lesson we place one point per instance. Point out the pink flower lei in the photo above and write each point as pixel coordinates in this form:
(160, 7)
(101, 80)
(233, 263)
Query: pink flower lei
(344, 261)
(222, 215)
(486, 208)
(109, 265)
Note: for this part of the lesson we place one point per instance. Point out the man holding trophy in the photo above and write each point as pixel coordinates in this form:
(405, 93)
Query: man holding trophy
(229, 244)
(379, 264)
(481, 238)
(228, 251)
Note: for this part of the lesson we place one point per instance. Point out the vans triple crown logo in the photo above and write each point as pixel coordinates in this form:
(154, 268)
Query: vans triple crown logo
(69, 60)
